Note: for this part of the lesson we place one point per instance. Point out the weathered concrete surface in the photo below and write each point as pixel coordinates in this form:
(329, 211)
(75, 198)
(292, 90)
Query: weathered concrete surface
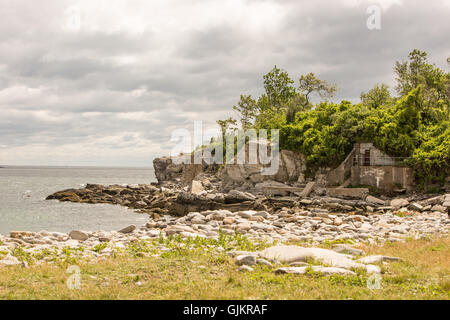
(367, 165)
(308, 189)
(354, 193)
(398, 203)
(382, 177)
(197, 187)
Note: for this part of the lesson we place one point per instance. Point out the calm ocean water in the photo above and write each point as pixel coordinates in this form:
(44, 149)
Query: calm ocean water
(23, 206)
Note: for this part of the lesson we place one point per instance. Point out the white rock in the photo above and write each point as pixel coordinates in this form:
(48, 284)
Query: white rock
(245, 269)
(376, 259)
(9, 261)
(264, 262)
(289, 254)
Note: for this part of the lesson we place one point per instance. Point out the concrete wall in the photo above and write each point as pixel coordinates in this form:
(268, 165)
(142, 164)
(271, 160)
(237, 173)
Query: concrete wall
(382, 177)
(377, 157)
(343, 172)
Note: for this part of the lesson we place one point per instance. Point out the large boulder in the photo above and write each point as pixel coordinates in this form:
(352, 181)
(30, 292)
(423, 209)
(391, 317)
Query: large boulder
(291, 167)
(290, 254)
(180, 169)
(167, 169)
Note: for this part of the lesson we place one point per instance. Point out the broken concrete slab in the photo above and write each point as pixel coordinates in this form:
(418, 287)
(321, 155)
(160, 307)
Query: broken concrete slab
(415, 207)
(374, 200)
(353, 193)
(399, 203)
(308, 189)
(197, 187)
(439, 208)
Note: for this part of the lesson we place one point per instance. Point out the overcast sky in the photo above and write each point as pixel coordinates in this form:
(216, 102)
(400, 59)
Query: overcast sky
(106, 82)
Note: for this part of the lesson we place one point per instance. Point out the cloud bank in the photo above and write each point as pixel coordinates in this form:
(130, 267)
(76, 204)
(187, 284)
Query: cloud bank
(106, 82)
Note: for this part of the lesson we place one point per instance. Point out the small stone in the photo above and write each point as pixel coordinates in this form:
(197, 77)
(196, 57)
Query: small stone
(128, 229)
(321, 214)
(246, 214)
(197, 187)
(229, 220)
(415, 207)
(372, 199)
(257, 218)
(398, 203)
(245, 269)
(299, 264)
(78, 235)
(264, 262)
(357, 218)
(263, 214)
(439, 208)
(20, 234)
(198, 220)
(337, 221)
(243, 226)
(248, 260)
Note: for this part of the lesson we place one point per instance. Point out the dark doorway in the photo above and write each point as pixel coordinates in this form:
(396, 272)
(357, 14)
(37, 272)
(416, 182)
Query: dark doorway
(367, 158)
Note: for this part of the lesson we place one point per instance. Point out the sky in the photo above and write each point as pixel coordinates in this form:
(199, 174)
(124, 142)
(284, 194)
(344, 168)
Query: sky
(107, 82)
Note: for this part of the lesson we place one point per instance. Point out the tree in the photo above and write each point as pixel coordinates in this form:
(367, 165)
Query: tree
(295, 105)
(377, 96)
(247, 110)
(435, 83)
(278, 86)
(225, 125)
(310, 83)
(418, 71)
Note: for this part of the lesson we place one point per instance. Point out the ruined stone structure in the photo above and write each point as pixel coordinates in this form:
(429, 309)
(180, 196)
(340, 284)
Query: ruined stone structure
(367, 165)
(291, 167)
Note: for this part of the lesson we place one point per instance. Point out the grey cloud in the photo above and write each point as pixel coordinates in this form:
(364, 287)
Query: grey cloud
(125, 90)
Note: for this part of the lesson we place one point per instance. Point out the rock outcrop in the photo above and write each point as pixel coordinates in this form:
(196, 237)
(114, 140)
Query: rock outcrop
(291, 168)
(244, 176)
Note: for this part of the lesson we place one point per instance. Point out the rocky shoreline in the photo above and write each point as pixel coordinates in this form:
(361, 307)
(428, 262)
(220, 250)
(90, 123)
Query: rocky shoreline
(310, 223)
(203, 211)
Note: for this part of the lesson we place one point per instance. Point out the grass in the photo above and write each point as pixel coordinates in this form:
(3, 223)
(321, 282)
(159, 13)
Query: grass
(191, 271)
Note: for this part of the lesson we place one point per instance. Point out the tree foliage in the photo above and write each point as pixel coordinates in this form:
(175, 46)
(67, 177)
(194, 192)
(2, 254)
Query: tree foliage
(246, 107)
(311, 84)
(414, 126)
(376, 97)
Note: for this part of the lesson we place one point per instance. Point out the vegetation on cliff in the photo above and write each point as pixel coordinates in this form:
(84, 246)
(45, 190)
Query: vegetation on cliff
(413, 126)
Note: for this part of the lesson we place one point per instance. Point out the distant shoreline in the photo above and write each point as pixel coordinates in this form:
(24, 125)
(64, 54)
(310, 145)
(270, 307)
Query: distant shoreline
(71, 167)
